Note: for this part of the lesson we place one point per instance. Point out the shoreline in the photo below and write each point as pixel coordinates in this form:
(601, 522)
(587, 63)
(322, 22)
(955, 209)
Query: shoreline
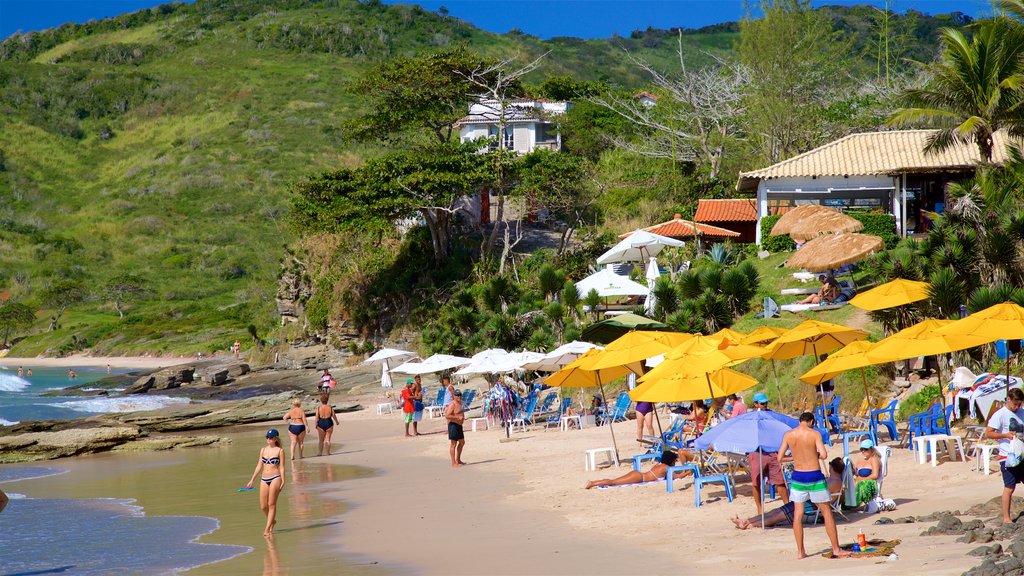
(100, 361)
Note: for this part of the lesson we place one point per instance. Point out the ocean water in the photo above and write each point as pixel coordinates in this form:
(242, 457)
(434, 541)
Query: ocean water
(21, 397)
(97, 535)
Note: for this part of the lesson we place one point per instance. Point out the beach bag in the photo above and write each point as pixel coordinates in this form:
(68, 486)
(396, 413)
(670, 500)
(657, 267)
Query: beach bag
(1015, 452)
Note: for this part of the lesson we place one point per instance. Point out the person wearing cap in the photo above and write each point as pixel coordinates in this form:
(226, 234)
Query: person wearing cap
(866, 471)
(408, 406)
(765, 464)
(455, 416)
(1005, 425)
(271, 478)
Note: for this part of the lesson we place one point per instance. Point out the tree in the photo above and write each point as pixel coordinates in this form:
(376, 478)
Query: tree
(796, 61)
(428, 92)
(698, 118)
(428, 181)
(14, 315)
(61, 296)
(124, 288)
(974, 90)
(562, 183)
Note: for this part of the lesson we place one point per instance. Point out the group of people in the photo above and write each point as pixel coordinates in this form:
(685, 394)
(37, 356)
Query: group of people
(411, 399)
(325, 421)
(827, 294)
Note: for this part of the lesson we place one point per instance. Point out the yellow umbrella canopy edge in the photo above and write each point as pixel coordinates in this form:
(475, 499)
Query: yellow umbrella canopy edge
(849, 357)
(693, 387)
(894, 293)
(581, 374)
(1003, 321)
(633, 348)
(828, 252)
(763, 335)
(703, 362)
(812, 337)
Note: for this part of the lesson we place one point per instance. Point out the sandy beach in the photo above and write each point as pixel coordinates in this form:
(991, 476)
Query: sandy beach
(523, 501)
(119, 361)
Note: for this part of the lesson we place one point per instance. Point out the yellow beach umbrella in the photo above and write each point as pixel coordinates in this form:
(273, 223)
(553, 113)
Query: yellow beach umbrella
(702, 362)
(763, 334)
(1000, 322)
(696, 345)
(849, 357)
(891, 294)
(582, 374)
(812, 337)
(730, 335)
(686, 387)
(632, 348)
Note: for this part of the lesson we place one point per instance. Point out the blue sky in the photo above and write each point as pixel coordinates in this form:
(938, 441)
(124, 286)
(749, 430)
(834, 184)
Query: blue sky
(545, 18)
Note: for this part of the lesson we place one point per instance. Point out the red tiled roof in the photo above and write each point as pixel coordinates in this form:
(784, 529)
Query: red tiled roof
(679, 228)
(646, 95)
(731, 210)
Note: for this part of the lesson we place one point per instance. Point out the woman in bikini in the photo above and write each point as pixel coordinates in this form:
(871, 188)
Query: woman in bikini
(866, 472)
(271, 479)
(296, 419)
(325, 421)
(698, 419)
(657, 472)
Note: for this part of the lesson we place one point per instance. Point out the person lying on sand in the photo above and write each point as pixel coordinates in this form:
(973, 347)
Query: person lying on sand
(783, 515)
(657, 472)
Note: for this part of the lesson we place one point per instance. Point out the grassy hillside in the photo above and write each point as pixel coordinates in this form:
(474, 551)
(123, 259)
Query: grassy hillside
(162, 143)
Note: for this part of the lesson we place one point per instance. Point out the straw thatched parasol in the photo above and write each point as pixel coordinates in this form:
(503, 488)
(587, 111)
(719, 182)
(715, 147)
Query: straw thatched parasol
(823, 222)
(786, 222)
(835, 250)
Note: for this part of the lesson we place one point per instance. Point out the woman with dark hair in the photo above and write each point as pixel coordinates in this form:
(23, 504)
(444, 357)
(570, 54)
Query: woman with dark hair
(271, 479)
(325, 421)
(783, 515)
(697, 418)
(657, 472)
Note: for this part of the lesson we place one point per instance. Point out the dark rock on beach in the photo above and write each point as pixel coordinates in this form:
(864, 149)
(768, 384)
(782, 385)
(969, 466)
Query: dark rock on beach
(885, 521)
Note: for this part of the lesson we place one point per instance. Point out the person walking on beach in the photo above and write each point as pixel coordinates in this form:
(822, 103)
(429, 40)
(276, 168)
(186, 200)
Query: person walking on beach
(325, 421)
(296, 419)
(236, 348)
(803, 446)
(417, 404)
(408, 407)
(271, 479)
(455, 416)
(1006, 424)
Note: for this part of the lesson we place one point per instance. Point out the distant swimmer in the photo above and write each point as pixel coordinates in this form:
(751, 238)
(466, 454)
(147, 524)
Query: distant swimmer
(108, 368)
(71, 374)
(3, 500)
(271, 479)
(29, 373)
(21, 371)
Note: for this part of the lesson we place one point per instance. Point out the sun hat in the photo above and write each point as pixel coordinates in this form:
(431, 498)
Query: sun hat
(272, 433)
(761, 398)
(867, 445)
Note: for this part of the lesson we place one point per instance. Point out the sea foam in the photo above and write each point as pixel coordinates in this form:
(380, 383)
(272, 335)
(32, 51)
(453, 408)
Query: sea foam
(7, 422)
(12, 383)
(121, 404)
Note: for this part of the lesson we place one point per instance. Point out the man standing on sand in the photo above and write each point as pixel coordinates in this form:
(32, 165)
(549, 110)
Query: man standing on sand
(763, 464)
(407, 404)
(455, 416)
(803, 446)
(1004, 425)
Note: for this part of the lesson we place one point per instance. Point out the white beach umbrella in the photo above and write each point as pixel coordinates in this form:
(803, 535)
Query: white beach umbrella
(561, 356)
(484, 362)
(653, 273)
(637, 247)
(608, 283)
(385, 357)
(436, 363)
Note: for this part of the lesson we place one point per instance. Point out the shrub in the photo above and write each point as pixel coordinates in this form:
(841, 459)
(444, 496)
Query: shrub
(918, 402)
(774, 243)
(881, 225)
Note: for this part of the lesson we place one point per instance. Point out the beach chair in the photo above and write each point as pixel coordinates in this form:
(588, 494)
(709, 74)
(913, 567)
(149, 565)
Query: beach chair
(555, 419)
(837, 497)
(939, 423)
(440, 398)
(884, 452)
(920, 424)
(876, 419)
(467, 399)
(525, 414)
(547, 403)
(618, 412)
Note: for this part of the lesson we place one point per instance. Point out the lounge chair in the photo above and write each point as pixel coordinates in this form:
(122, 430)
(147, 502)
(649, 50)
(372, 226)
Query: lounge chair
(618, 412)
(467, 399)
(845, 491)
(875, 417)
(555, 419)
(525, 414)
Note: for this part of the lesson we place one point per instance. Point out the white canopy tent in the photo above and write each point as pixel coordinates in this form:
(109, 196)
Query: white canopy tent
(638, 247)
(436, 363)
(386, 356)
(561, 356)
(608, 283)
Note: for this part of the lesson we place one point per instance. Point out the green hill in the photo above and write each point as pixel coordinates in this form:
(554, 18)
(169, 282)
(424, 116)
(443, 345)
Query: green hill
(161, 143)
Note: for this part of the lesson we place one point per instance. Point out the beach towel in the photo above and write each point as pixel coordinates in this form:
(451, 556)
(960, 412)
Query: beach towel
(986, 389)
(876, 548)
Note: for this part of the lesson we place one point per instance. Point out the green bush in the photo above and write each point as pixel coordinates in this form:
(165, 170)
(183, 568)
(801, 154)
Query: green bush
(918, 402)
(774, 243)
(881, 225)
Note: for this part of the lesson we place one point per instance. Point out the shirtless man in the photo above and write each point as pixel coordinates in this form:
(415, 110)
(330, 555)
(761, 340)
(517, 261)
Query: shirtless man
(455, 416)
(803, 447)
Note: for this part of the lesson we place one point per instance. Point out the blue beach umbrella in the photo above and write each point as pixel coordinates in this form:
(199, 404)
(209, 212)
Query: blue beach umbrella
(758, 431)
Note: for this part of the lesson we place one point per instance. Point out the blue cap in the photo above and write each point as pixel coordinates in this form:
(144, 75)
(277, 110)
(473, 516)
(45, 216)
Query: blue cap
(272, 433)
(867, 445)
(761, 398)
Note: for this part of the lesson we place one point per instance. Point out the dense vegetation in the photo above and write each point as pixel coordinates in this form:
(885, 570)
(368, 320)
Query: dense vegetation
(147, 161)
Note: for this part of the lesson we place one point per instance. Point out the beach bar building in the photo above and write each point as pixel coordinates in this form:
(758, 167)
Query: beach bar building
(876, 171)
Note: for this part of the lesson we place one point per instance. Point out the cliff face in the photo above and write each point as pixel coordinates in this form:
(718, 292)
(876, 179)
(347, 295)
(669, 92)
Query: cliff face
(293, 290)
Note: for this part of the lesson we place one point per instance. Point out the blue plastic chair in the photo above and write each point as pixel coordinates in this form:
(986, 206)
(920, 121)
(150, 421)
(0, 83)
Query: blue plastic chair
(940, 422)
(671, 471)
(440, 398)
(876, 420)
(556, 417)
(467, 399)
(921, 424)
(829, 415)
(549, 400)
(641, 458)
(618, 412)
(700, 481)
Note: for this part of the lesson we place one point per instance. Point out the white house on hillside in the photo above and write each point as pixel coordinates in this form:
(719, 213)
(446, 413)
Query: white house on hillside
(529, 124)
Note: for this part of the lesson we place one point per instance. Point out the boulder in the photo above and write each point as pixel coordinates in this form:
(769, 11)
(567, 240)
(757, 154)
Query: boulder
(968, 538)
(141, 386)
(1016, 549)
(973, 524)
(218, 378)
(1010, 566)
(905, 520)
(885, 521)
(949, 524)
(72, 442)
(236, 370)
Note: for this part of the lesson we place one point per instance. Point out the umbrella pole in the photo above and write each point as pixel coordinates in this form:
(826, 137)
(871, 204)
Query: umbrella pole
(611, 425)
(778, 389)
(867, 396)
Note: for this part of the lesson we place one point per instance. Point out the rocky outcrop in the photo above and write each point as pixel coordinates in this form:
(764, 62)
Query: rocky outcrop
(293, 291)
(63, 443)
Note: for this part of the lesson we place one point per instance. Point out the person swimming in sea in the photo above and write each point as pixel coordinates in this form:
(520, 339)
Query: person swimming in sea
(296, 419)
(271, 479)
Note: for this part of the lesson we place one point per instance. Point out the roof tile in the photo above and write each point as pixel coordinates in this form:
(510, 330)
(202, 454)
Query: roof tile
(730, 210)
(679, 228)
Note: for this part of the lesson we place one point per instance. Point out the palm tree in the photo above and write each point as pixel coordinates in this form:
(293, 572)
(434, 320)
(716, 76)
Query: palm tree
(974, 90)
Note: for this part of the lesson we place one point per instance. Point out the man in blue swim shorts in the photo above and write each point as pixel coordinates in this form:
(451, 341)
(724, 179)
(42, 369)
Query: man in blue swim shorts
(803, 447)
